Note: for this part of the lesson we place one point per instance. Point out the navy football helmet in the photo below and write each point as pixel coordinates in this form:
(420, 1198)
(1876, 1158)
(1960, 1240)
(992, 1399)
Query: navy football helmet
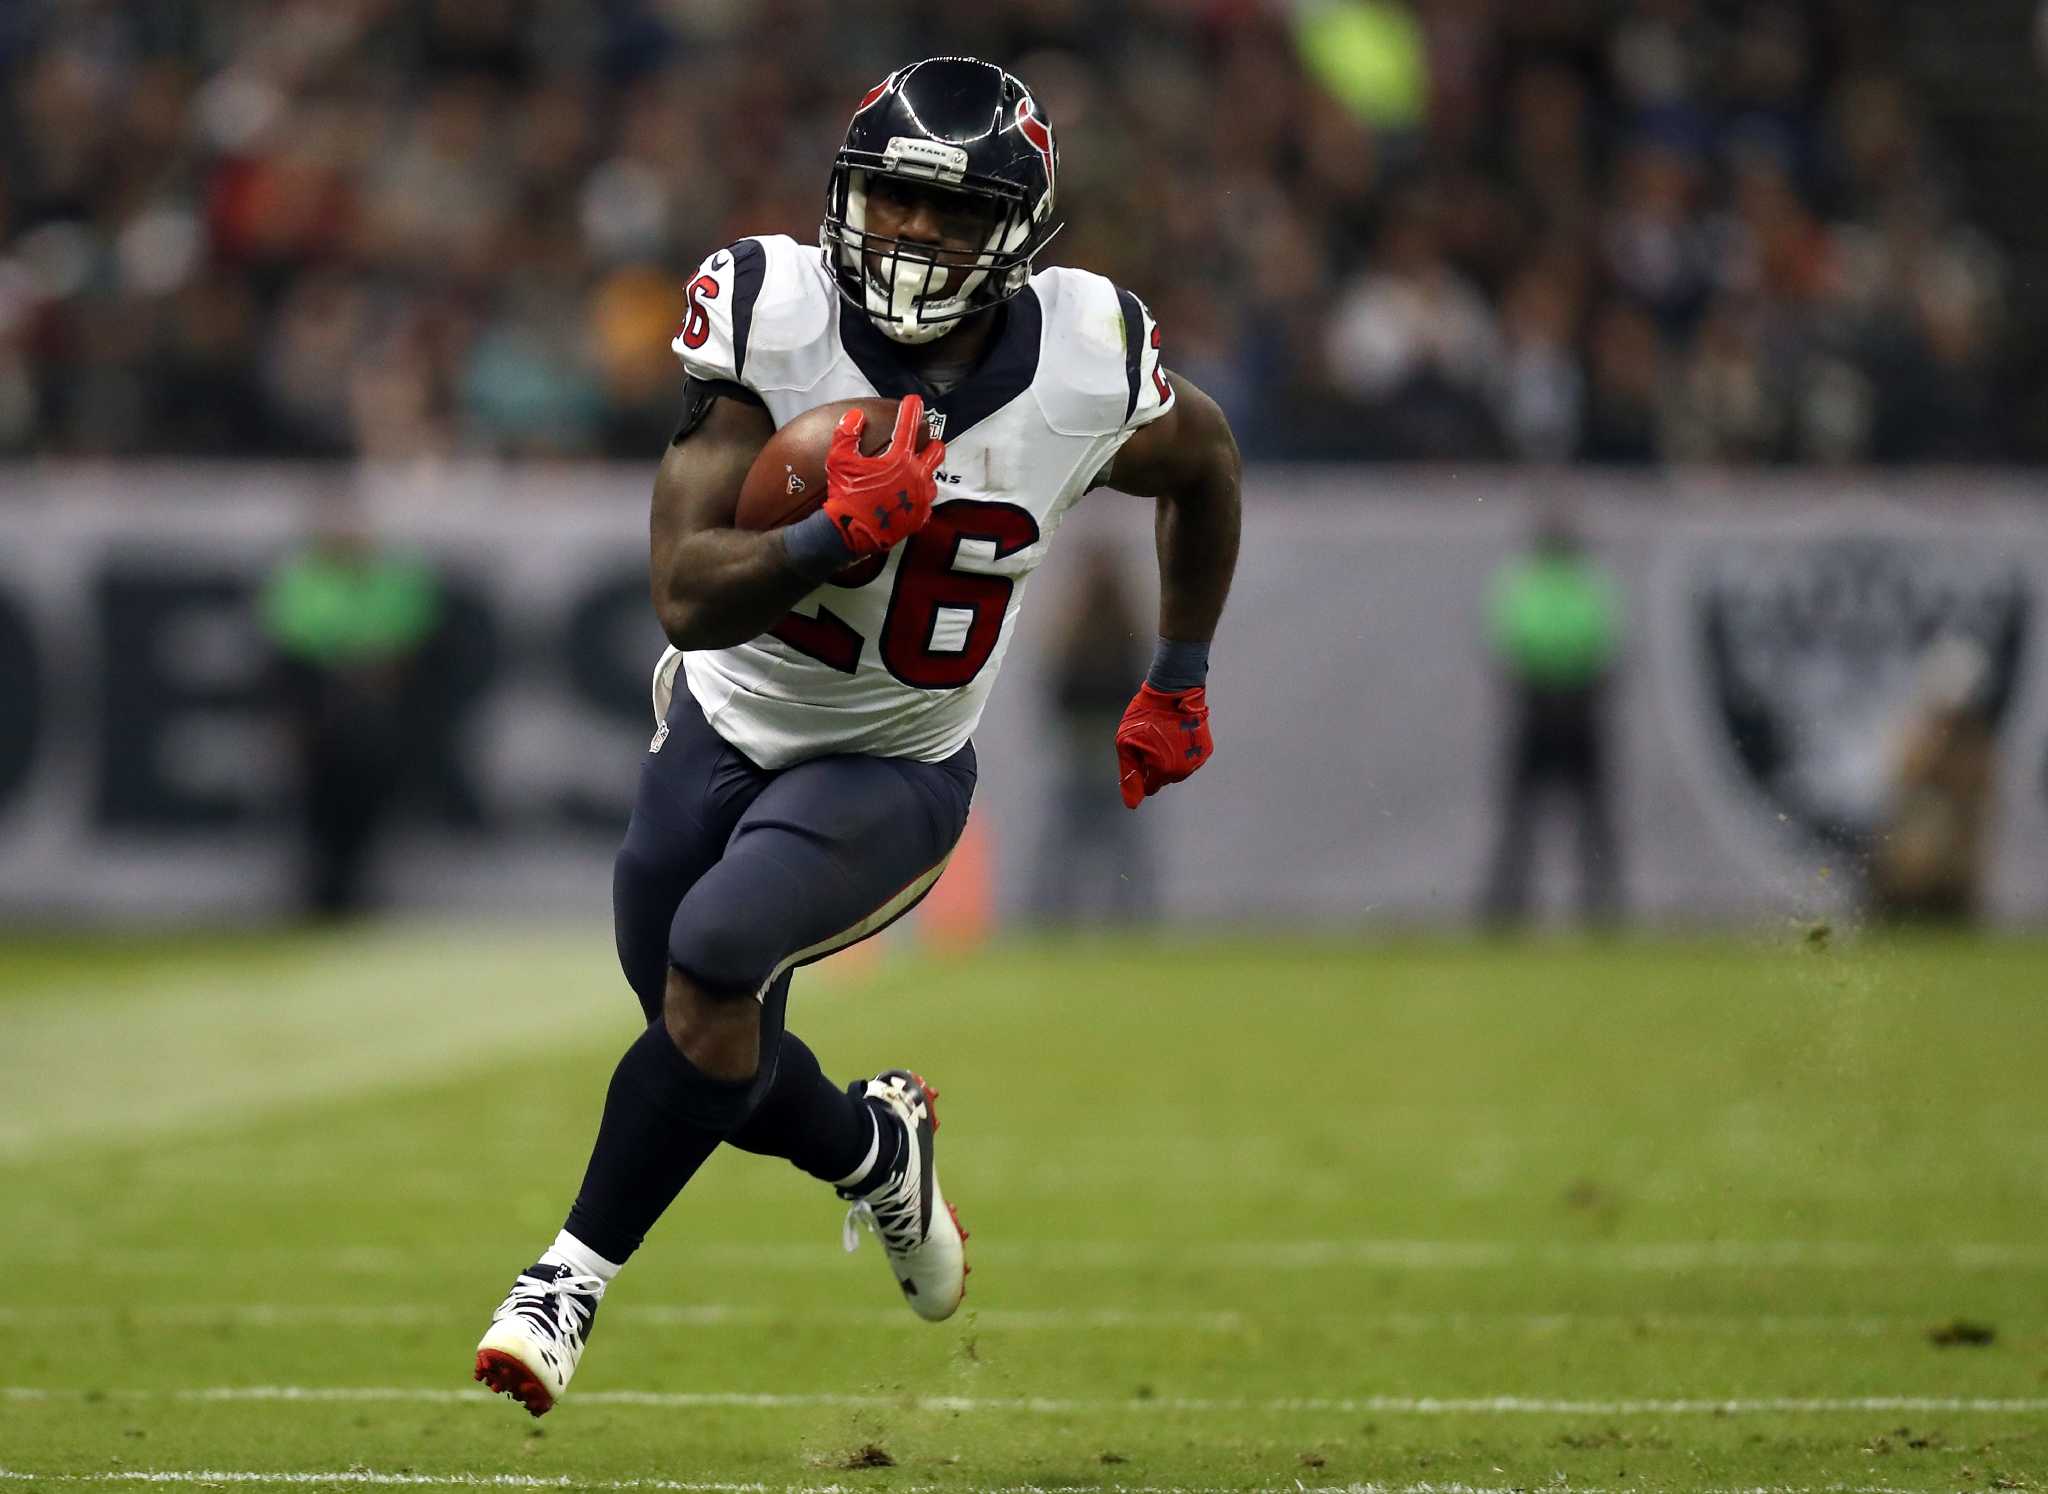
(967, 128)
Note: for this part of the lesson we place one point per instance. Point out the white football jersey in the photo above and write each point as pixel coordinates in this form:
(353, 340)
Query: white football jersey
(896, 656)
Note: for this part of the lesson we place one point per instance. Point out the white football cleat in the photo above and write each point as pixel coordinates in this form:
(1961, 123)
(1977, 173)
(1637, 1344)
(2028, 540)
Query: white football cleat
(919, 1231)
(537, 1335)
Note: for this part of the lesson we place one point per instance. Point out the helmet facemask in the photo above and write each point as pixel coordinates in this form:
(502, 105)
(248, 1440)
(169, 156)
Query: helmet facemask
(916, 292)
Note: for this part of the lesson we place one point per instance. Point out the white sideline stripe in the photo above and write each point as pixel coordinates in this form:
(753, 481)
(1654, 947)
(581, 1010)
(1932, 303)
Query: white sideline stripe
(688, 1486)
(291, 1315)
(1387, 1405)
(658, 1314)
(1669, 1256)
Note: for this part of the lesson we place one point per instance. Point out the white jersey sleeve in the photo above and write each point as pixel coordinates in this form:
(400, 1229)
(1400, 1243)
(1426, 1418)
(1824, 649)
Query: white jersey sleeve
(1106, 347)
(1150, 395)
(758, 313)
(712, 341)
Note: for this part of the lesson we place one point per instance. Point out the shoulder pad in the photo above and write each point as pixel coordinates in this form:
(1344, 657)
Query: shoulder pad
(1101, 372)
(758, 313)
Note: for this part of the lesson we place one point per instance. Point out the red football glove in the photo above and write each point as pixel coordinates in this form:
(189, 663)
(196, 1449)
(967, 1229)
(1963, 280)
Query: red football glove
(878, 501)
(1163, 738)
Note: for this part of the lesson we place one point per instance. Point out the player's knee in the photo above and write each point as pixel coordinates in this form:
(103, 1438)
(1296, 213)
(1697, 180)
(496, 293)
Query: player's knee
(721, 953)
(719, 1032)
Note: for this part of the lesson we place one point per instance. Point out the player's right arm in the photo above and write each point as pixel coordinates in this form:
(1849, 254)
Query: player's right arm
(716, 585)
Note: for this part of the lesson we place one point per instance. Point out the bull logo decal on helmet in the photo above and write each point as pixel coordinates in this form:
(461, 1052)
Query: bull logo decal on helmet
(1039, 134)
(876, 92)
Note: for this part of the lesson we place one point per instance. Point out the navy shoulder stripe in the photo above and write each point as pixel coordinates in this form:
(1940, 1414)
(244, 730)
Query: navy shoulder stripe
(1006, 371)
(750, 265)
(1134, 346)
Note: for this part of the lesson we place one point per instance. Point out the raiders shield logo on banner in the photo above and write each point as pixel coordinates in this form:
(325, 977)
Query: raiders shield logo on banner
(1811, 653)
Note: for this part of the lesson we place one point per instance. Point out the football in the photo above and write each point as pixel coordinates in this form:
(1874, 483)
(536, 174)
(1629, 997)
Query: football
(787, 480)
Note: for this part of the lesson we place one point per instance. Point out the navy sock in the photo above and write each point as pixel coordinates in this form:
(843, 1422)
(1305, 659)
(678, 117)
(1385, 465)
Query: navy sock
(889, 1154)
(821, 1128)
(662, 1118)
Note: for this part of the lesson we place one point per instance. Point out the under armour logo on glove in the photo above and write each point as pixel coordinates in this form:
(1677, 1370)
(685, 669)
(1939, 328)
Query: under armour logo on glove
(883, 517)
(876, 501)
(1163, 738)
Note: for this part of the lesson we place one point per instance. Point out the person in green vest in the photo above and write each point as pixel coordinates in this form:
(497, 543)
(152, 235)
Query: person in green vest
(347, 622)
(1554, 622)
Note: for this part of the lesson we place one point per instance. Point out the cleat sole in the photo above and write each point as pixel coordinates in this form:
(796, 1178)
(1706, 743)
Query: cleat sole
(966, 1267)
(931, 1100)
(507, 1376)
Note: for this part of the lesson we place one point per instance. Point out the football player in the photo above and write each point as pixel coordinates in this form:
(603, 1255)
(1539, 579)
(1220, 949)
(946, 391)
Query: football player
(811, 767)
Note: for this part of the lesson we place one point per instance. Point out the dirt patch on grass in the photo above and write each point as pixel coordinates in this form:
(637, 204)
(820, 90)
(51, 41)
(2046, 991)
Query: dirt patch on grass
(1962, 1333)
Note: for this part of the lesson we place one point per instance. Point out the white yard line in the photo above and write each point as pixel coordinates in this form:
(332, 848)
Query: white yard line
(294, 1315)
(364, 1476)
(1652, 1258)
(1380, 1405)
(398, 1480)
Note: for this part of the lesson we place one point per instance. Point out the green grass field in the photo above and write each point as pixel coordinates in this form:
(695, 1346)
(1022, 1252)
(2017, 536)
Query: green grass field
(1247, 1213)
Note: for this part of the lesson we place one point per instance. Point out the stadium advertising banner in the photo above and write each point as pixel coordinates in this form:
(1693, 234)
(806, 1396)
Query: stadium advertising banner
(1777, 646)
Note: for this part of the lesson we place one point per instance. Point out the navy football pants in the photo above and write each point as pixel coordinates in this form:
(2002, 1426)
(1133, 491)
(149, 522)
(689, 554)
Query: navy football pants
(737, 874)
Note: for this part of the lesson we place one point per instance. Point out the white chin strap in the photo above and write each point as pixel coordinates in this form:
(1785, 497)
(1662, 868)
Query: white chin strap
(905, 311)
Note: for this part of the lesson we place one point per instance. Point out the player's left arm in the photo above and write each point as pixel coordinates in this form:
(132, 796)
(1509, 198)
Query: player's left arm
(1187, 460)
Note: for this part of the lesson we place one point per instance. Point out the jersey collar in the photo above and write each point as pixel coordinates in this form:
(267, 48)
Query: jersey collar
(1006, 372)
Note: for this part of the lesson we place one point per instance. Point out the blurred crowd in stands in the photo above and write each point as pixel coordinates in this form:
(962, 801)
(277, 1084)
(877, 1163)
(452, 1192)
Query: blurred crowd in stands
(1538, 230)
